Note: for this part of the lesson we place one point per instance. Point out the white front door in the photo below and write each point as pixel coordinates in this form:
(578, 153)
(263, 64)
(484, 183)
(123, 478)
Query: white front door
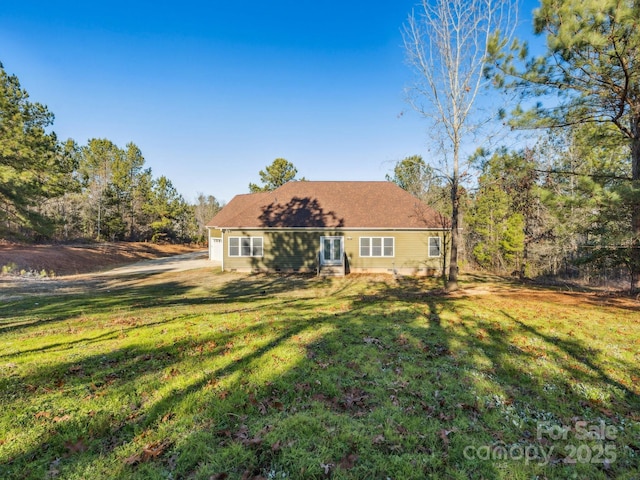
(331, 250)
(216, 249)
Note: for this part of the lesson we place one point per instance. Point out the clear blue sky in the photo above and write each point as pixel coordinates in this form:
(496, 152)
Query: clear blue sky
(214, 91)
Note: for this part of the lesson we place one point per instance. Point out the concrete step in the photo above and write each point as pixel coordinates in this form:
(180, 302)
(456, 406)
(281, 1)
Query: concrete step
(332, 271)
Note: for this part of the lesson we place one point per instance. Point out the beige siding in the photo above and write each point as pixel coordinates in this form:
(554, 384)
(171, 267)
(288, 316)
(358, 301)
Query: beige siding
(411, 252)
(283, 250)
(297, 250)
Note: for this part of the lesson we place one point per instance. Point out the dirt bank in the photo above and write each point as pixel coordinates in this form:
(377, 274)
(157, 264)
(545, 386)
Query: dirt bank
(61, 260)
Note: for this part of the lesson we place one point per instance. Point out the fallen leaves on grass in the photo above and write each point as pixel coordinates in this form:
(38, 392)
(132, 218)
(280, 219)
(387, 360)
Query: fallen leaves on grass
(354, 398)
(303, 387)
(444, 435)
(246, 439)
(348, 462)
(149, 452)
(436, 350)
(373, 341)
(228, 348)
(168, 417)
(174, 372)
(264, 405)
(111, 378)
(79, 369)
(76, 447)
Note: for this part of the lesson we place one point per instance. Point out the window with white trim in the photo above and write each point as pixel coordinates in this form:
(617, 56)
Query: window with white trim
(434, 246)
(377, 246)
(245, 247)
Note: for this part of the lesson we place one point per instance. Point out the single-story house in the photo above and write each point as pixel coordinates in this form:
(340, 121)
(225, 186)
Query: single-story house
(329, 227)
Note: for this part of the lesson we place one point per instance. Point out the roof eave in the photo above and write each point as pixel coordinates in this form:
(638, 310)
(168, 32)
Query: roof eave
(240, 227)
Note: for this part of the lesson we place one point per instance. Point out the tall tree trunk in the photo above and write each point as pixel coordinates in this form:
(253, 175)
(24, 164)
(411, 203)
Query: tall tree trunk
(635, 208)
(445, 251)
(522, 272)
(455, 237)
(455, 221)
(99, 218)
(528, 233)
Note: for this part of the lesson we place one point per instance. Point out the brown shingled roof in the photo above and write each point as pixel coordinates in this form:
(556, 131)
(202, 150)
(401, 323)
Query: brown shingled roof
(307, 204)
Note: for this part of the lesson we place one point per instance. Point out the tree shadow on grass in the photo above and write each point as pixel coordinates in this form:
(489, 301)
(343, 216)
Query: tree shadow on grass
(254, 293)
(574, 355)
(251, 287)
(92, 377)
(482, 359)
(336, 382)
(374, 397)
(23, 314)
(397, 382)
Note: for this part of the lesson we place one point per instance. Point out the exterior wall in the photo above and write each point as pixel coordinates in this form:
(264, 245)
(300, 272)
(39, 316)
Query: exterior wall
(217, 235)
(297, 250)
(283, 250)
(411, 253)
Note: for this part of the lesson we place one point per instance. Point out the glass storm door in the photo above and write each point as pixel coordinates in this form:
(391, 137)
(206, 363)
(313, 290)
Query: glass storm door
(331, 249)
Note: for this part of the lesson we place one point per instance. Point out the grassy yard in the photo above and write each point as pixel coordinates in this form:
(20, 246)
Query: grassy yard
(211, 376)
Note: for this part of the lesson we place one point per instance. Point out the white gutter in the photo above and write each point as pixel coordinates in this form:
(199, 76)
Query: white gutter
(222, 261)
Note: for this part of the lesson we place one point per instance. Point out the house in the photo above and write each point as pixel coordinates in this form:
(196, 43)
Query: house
(331, 228)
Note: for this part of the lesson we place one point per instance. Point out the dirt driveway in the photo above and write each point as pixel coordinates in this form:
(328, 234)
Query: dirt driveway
(175, 263)
(15, 288)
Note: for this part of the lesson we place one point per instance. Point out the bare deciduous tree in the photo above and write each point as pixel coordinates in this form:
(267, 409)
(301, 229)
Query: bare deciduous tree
(447, 44)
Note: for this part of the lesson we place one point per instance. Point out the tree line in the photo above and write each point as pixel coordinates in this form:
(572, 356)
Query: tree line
(572, 198)
(560, 208)
(59, 190)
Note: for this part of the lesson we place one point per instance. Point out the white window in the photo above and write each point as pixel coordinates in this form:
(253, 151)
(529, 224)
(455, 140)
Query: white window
(376, 246)
(245, 247)
(434, 246)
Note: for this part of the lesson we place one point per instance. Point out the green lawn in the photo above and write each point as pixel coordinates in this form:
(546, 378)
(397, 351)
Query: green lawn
(208, 376)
